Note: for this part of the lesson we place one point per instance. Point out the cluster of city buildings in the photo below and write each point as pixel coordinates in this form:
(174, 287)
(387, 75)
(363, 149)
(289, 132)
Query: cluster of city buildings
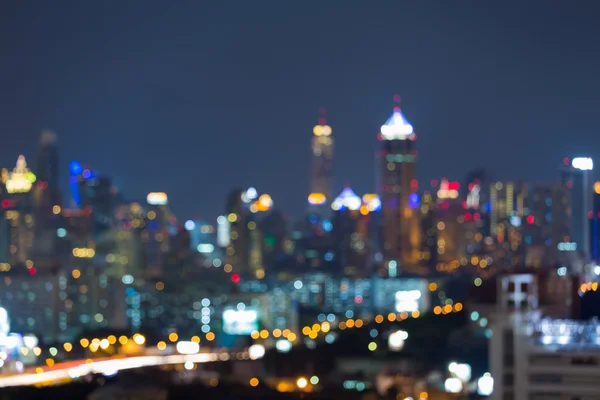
(91, 258)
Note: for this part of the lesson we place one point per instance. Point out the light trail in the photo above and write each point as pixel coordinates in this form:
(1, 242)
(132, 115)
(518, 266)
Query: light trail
(75, 369)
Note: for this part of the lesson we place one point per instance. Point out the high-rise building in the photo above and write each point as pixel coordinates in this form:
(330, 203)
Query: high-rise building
(321, 184)
(245, 247)
(353, 232)
(18, 234)
(509, 213)
(237, 250)
(547, 230)
(449, 223)
(577, 176)
(401, 233)
(595, 224)
(158, 233)
(94, 192)
(46, 193)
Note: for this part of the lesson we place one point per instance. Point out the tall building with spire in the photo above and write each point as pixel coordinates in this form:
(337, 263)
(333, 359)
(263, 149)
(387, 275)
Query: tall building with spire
(401, 230)
(321, 184)
(16, 229)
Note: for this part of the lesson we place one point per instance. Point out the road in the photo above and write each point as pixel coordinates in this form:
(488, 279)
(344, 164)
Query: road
(73, 369)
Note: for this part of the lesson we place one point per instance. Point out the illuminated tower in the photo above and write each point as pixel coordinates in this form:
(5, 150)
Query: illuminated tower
(17, 207)
(321, 185)
(401, 231)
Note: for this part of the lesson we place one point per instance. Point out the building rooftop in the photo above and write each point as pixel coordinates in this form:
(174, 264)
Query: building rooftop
(566, 333)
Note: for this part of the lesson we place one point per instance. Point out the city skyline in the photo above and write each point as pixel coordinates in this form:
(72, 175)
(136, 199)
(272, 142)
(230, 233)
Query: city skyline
(229, 81)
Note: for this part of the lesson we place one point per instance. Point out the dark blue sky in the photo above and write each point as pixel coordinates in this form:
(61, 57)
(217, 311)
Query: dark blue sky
(194, 99)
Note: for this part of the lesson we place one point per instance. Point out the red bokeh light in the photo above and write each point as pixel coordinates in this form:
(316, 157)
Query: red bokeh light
(530, 219)
(566, 161)
(235, 278)
(453, 186)
(32, 271)
(397, 98)
(322, 121)
(358, 299)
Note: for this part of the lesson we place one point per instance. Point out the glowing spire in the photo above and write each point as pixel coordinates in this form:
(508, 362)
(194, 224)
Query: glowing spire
(20, 179)
(348, 198)
(397, 127)
(322, 129)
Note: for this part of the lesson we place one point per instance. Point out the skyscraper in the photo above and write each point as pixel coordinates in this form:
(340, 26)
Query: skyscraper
(401, 235)
(18, 235)
(321, 184)
(47, 161)
(577, 176)
(47, 190)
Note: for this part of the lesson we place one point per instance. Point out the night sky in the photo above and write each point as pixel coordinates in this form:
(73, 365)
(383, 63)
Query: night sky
(195, 99)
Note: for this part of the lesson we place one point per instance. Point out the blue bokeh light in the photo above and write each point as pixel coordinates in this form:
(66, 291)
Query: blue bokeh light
(75, 167)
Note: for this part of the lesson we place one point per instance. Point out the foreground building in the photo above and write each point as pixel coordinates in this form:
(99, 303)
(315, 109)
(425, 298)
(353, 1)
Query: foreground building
(536, 351)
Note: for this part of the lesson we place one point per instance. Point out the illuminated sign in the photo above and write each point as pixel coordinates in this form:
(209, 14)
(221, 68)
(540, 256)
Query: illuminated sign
(205, 248)
(316, 199)
(583, 163)
(4, 322)
(187, 347)
(223, 231)
(83, 252)
(157, 199)
(567, 246)
(407, 300)
(240, 322)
